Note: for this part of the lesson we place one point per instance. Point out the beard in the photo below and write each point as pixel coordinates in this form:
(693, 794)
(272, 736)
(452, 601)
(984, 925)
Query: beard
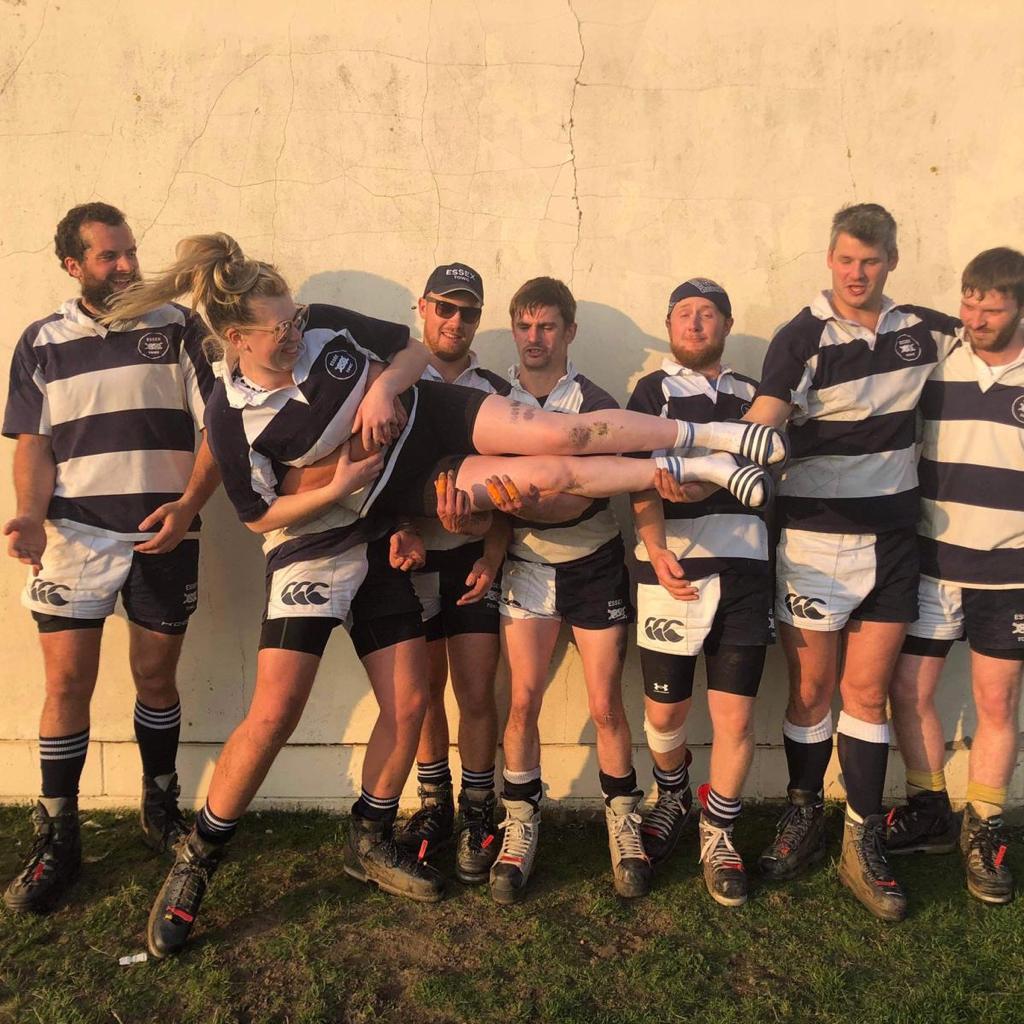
(997, 344)
(709, 354)
(97, 293)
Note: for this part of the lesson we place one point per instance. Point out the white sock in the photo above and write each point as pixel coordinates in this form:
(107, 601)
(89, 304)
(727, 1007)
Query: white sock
(746, 482)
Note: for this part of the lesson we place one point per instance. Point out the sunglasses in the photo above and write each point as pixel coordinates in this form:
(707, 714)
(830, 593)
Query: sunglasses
(283, 329)
(446, 310)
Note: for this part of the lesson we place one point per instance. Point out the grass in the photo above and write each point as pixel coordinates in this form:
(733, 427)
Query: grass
(285, 935)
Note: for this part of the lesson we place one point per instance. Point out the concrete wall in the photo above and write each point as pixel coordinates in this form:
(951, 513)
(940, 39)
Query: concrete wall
(622, 147)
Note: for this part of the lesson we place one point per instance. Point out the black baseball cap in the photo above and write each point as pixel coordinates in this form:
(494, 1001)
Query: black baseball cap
(701, 288)
(455, 277)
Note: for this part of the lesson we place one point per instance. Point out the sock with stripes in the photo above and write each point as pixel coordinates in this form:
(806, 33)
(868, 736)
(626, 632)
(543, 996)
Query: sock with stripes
(614, 785)
(434, 773)
(925, 782)
(215, 829)
(157, 731)
(808, 752)
(747, 482)
(863, 758)
(61, 759)
(522, 785)
(986, 801)
(672, 780)
(376, 808)
(478, 780)
(720, 810)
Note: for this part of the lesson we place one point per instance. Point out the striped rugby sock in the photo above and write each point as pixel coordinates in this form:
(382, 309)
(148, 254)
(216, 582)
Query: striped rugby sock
(746, 481)
(375, 808)
(157, 731)
(213, 828)
(478, 780)
(434, 773)
(674, 779)
(61, 760)
(719, 810)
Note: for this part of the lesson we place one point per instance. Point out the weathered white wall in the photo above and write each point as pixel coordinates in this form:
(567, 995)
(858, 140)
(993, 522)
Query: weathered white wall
(622, 147)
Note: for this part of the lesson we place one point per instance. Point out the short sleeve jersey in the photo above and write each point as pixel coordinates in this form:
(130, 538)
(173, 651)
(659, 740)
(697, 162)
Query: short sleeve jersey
(719, 534)
(553, 543)
(972, 472)
(256, 435)
(852, 432)
(120, 406)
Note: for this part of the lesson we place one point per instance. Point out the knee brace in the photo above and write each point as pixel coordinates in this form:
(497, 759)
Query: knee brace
(664, 742)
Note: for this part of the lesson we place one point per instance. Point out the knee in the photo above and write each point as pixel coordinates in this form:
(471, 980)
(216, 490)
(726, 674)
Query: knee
(909, 700)
(996, 707)
(476, 705)
(273, 729)
(523, 711)
(735, 727)
(153, 677)
(607, 714)
(867, 703)
(69, 687)
(665, 717)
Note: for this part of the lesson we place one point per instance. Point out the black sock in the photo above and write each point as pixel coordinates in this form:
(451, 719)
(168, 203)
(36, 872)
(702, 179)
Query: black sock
(157, 731)
(531, 790)
(613, 786)
(62, 759)
(808, 752)
(376, 808)
(863, 758)
(214, 829)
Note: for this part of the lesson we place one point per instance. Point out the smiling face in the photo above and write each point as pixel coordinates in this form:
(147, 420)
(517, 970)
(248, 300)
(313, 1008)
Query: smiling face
(542, 338)
(108, 265)
(990, 320)
(697, 330)
(267, 350)
(449, 338)
(859, 272)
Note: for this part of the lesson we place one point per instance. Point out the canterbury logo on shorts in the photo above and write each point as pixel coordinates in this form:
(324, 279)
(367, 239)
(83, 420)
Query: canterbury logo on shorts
(49, 593)
(667, 630)
(805, 607)
(305, 592)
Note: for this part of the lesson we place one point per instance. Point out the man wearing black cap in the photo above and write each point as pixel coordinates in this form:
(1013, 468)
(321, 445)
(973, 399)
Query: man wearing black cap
(460, 610)
(703, 584)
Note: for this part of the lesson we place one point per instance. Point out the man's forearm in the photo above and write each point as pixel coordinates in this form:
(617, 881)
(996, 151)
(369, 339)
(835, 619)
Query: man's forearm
(404, 369)
(204, 479)
(649, 520)
(35, 475)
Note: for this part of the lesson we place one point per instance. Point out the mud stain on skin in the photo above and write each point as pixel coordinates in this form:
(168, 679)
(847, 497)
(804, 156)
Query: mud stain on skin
(601, 428)
(579, 438)
(516, 411)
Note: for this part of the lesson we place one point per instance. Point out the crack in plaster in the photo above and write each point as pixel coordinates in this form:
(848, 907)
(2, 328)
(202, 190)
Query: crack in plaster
(28, 50)
(423, 132)
(572, 146)
(284, 143)
(842, 105)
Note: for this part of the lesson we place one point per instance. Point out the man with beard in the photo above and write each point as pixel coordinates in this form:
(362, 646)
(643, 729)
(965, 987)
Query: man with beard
(703, 585)
(108, 494)
(971, 535)
(460, 609)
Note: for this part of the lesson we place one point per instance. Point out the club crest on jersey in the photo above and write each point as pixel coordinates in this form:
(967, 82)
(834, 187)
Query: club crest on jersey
(1018, 408)
(154, 345)
(908, 348)
(340, 365)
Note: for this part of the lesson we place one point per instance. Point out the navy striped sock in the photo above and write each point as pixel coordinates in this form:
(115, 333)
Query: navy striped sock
(719, 810)
(376, 808)
(213, 828)
(436, 773)
(61, 759)
(478, 780)
(157, 731)
(674, 779)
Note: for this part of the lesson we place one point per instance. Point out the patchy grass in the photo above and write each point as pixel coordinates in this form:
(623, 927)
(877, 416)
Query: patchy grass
(285, 935)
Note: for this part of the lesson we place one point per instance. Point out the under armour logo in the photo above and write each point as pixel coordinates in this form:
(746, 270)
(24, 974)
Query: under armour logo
(661, 687)
(48, 593)
(664, 630)
(303, 592)
(805, 607)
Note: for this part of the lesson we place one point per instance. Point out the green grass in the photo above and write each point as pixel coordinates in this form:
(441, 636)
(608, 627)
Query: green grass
(285, 935)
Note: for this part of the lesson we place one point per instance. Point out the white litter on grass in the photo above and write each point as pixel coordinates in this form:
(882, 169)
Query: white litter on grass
(269, 831)
(135, 958)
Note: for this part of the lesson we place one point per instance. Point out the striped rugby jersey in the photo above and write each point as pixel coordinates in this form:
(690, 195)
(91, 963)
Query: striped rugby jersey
(435, 536)
(257, 435)
(119, 405)
(553, 543)
(852, 432)
(972, 473)
(719, 534)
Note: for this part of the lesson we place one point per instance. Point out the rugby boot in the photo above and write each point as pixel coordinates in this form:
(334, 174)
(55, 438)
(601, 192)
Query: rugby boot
(799, 838)
(926, 824)
(372, 855)
(724, 873)
(163, 824)
(520, 834)
(54, 862)
(176, 906)
(433, 823)
(665, 822)
(864, 870)
(984, 849)
(478, 839)
(631, 867)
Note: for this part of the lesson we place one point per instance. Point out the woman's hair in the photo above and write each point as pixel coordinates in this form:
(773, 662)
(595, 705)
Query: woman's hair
(218, 276)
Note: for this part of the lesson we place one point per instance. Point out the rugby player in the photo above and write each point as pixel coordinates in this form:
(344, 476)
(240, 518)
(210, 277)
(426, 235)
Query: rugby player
(703, 585)
(108, 494)
(847, 373)
(971, 535)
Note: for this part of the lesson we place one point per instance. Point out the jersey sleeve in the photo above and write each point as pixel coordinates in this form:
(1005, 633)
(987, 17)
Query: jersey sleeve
(249, 478)
(647, 398)
(196, 372)
(594, 398)
(380, 339)
(27, 411)
(785, 374)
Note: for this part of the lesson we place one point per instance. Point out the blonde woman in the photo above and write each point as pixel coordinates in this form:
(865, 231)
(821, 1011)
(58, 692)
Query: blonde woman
(339, 394)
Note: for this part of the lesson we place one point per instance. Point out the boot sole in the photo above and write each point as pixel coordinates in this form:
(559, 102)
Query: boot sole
(434, 896)
(469, 879)
(794, 872)
(892, 915)
(631, 892)
(993, 900)
(506, 896)
(727, 901)
(26, 906)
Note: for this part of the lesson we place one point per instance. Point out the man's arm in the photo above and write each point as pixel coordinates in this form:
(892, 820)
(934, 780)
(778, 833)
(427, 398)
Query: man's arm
(35, 474)
(773, 412)
(376, 420)
(649, 520)
(487, 566)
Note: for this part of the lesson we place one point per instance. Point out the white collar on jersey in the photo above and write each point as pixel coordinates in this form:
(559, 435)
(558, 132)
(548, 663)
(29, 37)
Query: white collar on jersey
(670, 366)
(72, 311)
(821, 307)
(430, 373)
(570, 374)
(239, 395)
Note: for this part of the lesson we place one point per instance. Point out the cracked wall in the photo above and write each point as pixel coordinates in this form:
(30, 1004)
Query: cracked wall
(620, 147)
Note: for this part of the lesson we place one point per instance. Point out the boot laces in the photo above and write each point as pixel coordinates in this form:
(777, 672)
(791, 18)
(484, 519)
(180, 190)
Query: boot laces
(794, 825)
(988, 845)
(625, 832)
(478, 825)
(518, 839)
(717, 848)
(190, 877)
(667, 809)
(872, 847)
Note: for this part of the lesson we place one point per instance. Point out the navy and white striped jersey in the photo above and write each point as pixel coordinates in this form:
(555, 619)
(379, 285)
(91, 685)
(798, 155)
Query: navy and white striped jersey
(435, 536)
(719, 534)
(257, 435)
(553, 543)
(119, 405)
(852, 433)
(972, 472)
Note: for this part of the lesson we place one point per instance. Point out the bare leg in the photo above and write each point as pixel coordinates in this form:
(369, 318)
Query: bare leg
(474, 661)
(434, 737)
(71, 660)
(914, 715)
(603, 652)
(996, 683)
(732, 744)
(154, 661)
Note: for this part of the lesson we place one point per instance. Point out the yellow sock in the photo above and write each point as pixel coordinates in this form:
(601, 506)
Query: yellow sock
(986, 801)
(925, 781)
